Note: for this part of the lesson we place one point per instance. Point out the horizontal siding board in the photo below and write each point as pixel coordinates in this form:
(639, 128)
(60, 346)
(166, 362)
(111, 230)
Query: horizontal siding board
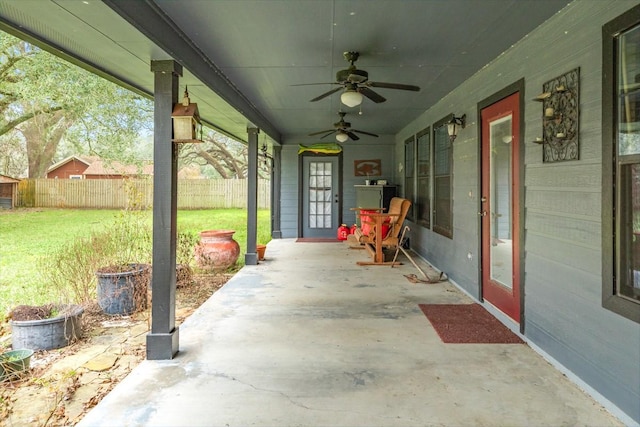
(580, 258)
(626, 396)
(582, 285)
(564, 313)
(575, 174)
(580, 203)
(289, 191)
(567, 229)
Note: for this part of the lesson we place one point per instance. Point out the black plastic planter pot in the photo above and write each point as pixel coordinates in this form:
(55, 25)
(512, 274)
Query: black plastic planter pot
(123, 293)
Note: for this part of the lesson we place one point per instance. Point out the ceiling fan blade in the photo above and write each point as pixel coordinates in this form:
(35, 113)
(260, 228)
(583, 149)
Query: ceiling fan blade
(316, 84)
(393, 86)
(372, 95)
(326, 135)
(352, 135)
(324, 95)
(322, 131)
(366, 133)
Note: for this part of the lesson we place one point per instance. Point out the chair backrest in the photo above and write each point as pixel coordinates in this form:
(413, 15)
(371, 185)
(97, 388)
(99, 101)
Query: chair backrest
(399, 206)
(395, 208)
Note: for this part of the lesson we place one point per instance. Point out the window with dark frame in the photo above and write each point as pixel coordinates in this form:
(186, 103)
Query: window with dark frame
(409, 174)
(442, 179)
(621, 165)
(423, 193)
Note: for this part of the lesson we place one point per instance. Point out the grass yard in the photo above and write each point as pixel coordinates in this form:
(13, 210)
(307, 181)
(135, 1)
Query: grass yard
(28, 235)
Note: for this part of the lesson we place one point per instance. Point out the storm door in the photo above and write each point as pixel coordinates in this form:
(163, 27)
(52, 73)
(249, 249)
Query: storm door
(320, 198)
(500, 205)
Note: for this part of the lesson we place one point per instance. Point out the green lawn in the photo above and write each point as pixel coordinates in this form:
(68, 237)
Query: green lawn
(28, 235)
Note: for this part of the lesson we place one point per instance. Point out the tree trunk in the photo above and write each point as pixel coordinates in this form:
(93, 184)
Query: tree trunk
(42, 135)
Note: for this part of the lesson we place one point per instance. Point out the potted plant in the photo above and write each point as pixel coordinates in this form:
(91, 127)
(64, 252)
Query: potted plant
(124, 276)
(45, 327)
(217, 250)
(260, 249)
(14, 364)
(68, 270)
(184, 257)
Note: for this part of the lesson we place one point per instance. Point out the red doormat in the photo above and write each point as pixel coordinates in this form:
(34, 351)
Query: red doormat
(317, 240)
(467, 324)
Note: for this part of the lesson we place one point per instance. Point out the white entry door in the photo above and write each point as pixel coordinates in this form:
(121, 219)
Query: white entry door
(320, 196)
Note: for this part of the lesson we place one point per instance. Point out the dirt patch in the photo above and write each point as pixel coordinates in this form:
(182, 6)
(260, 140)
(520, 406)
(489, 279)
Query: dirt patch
(30, 312)
(64, 384)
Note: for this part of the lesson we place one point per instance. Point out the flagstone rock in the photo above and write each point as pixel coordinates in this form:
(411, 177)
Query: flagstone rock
(101, 362)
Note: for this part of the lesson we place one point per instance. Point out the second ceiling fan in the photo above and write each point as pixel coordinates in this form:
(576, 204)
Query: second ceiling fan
(342, 130)
(355, 83)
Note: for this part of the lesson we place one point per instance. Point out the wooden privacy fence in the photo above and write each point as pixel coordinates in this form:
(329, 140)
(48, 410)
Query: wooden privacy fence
(120, 193)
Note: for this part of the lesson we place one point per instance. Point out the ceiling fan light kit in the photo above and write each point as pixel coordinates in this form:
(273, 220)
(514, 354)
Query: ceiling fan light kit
(342, 130)
(356, 80)
(351, 98)
(341, 136)
(355, 86)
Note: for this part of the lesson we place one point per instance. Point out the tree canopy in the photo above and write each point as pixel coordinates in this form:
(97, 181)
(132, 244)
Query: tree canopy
(46, 102)
(51, 109)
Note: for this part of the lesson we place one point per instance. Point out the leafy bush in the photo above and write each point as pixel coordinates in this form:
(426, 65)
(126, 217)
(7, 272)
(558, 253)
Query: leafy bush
(71, 269)
(184, 248)
(126, 241)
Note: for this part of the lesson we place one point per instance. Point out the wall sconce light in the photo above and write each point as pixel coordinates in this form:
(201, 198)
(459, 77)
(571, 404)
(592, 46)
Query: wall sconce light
(351, 97)
(454, 124)
(341, 136)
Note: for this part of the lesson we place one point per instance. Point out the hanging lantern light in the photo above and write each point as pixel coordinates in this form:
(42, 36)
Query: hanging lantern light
(186, 121)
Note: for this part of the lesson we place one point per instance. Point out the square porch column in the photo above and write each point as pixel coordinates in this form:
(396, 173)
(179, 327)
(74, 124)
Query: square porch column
(251, 256)
(162, 341)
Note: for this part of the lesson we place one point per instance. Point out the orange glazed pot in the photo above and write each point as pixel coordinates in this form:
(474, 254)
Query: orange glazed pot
(261, 250)
(217, 249)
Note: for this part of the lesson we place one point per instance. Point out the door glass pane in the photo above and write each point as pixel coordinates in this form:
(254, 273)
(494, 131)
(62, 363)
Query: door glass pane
(500, 201)
(320, 191)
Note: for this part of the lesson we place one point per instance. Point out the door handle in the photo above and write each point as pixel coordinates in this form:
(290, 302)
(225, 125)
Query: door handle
(483, 199)
(483, 213)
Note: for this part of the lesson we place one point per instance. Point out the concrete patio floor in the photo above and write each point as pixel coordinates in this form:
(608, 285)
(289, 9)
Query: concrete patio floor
(308, 338)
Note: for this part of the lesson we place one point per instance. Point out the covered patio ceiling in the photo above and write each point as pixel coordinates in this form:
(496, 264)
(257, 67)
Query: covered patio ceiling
(243, 58)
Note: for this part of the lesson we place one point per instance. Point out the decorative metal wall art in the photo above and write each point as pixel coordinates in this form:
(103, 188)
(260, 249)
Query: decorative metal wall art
(560, 115)
(367, 167)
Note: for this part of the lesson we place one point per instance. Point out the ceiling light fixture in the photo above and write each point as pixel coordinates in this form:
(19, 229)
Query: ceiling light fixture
(341, 136)
(453, 124)
(351, 98)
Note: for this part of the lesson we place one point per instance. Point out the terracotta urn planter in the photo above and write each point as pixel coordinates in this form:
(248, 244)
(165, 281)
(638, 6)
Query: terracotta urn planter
(217, 250)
